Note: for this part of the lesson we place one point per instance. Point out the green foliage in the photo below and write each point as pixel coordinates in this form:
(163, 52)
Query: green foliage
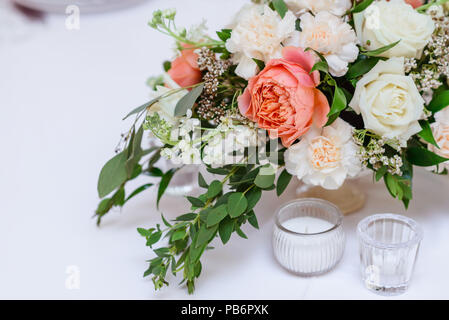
(237, 204)
(439, 102)
(339, 103)
(280, 7)
(214, 214)
(187, 102)
(361, 6)
(224, 34)
(283, 181)
(400, 187)
(360, 67)
(379, 51)
(113, 174)
(165, 180)
(427, 133)
(422, 157)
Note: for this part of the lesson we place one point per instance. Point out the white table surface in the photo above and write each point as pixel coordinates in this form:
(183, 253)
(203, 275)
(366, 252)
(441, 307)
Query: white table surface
(62, 96)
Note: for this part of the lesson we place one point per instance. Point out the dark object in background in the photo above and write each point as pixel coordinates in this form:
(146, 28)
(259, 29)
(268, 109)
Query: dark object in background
(85, 6)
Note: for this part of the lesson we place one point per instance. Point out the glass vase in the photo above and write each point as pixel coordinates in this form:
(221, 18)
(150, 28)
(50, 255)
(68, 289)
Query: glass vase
(348, 198)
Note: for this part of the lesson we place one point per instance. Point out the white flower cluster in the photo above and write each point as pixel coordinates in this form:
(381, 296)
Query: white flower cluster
(223, 145)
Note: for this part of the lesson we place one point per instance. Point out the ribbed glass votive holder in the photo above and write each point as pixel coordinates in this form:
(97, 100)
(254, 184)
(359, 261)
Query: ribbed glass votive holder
(389, 246)
(308, 238)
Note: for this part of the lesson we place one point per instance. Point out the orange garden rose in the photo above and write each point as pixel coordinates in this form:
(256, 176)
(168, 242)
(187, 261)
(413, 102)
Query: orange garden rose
(283, 97)
(415, 3)
(184, 69)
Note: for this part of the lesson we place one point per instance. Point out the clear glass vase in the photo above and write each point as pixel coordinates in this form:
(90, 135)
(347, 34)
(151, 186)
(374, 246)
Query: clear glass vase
(348, 198)
(185, 180)
(389, 246)
(308, 237)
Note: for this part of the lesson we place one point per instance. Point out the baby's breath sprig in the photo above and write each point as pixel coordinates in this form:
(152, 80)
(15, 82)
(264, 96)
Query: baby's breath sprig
(373, 152)
(164, 22)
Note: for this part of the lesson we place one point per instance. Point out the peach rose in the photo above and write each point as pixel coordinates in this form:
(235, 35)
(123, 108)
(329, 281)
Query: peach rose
(415, 3)
(184, 69)
(283, 98)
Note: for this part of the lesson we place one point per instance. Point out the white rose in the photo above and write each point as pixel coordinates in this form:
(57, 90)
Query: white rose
(337, 7)
(384, 23)
(330, 36)
(166, 106)
(325, 158)
(389, 101)
(258, 33)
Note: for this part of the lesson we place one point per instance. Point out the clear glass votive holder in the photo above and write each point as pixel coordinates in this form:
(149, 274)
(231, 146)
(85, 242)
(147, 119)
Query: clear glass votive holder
(308, 237)
(389, 245)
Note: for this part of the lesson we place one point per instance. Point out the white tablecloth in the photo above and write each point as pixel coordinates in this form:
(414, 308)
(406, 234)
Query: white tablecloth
(62, 96)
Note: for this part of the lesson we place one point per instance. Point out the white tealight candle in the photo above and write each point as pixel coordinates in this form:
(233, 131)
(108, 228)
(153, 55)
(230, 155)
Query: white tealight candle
(307, 225)
(308, 238)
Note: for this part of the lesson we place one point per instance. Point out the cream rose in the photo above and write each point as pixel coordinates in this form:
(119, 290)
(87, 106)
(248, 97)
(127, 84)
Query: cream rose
(440, 129)
(330, 36)
(383, 23)
(337, 7)
(325, 157)
(258, 33)
(389, 101)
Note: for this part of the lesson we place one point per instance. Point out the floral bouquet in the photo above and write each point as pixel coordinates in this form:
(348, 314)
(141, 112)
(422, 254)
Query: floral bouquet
(316, 89)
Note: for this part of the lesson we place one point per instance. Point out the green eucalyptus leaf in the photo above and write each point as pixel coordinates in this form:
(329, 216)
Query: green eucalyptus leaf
(320, 66)
(361, 67)
(427, 133)
(240, 232)
(253, 197)
(214, 189)
(265, 177)
(260, 64)
(205, 234)
(423, 158)
(381, 172)
(283, 181)
(187, 102)
(225, 229)
(165, 180)
(142, 107)
(280, 7)
(144, 232)
(178, 235)
(167, 224)
(202, 182)
(252, 219)
(224, 34)
(187, 217)
(379, 51)
(138, 190)
(439, 102)
(237, 204)
(153, 238)
(216, 215)
(197, 203)
(339, 102)
(391, 184)
(361, 6)
(112, 175)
